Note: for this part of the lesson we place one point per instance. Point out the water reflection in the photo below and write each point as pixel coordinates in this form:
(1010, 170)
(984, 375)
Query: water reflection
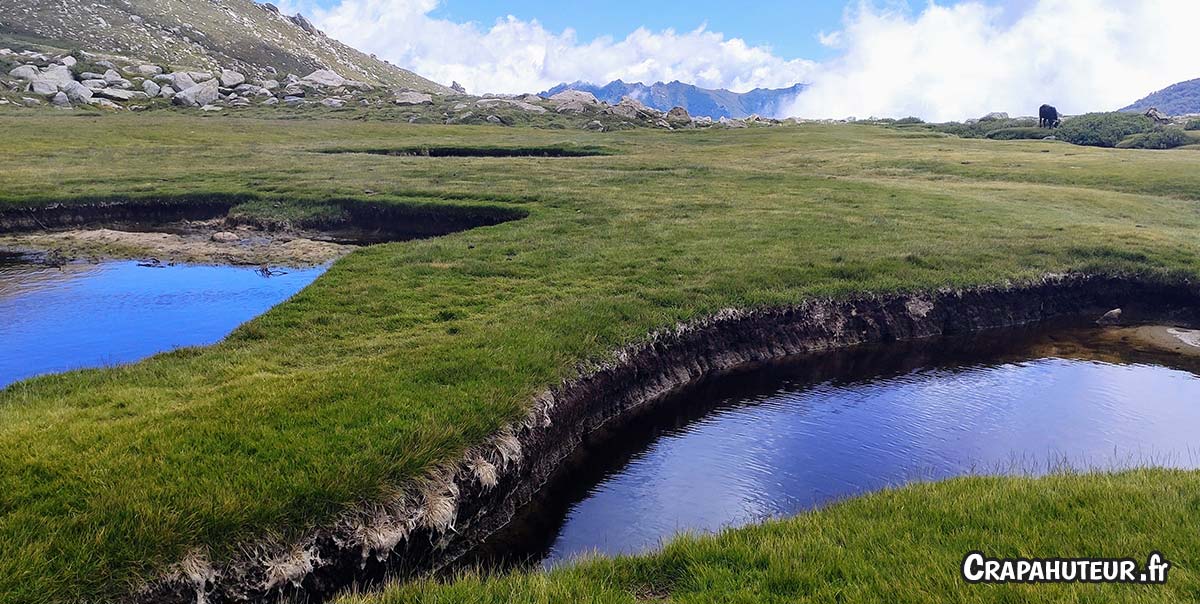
(86, 315)
(792, 436)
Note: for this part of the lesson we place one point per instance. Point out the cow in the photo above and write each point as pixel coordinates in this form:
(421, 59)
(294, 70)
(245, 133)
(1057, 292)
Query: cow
(1048, 117)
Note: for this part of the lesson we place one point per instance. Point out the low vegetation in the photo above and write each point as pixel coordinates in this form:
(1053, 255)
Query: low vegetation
(405, 354)
(1159, 138)
(1103, 129)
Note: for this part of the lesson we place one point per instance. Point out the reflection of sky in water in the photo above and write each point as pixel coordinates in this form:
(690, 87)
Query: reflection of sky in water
(92, 315)
(796, 449)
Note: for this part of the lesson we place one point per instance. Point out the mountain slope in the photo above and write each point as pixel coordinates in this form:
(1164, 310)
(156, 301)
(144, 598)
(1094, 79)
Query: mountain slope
(1178, 99)
(255, 39)
(698, 101)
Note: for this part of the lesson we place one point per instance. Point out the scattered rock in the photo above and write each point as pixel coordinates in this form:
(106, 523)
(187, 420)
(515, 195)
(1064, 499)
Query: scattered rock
(324, 77)
(334, 103)
(105, 104)
(574, 101)
(68, 60)
(95, 84)
(456, 87)
(225, 237)
(167, 92)
(151, 88)
(24, 72)
(211, 108)
(43, 86)
(199, 95)
(522, 105)
(594, 125)
(112, 77)
(231, 79)
(115, 94)
(148, 70)
(412, 98)
(60, 100)
(59, 74)
(181, 81)
(678, 116)
(995, 115)
(78, 93)
(200, 76)
(1112, 317)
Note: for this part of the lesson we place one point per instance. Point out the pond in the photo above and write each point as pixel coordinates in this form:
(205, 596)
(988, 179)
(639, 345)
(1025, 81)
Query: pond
(82, 314)
(796, 435)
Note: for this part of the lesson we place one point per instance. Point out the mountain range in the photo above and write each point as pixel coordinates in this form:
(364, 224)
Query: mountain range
(1178, 99)
(764, 102)
(205, 35)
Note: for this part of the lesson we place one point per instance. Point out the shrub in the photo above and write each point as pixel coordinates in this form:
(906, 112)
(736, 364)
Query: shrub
(1019, 133)
(910, 120)
(980, 129)
(1103, 129)
(1161, 138)
(1192, 125)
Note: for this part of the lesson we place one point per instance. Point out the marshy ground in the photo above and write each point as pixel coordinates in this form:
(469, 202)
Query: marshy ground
(405, 354)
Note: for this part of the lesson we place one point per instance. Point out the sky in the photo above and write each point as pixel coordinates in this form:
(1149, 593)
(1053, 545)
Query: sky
(934, 59)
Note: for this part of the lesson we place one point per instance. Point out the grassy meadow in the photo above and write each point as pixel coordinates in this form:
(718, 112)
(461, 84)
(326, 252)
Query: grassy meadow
(403, 355)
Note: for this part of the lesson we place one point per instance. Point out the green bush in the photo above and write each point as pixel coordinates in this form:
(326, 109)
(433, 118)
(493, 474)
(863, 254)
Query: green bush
(1161, 138)
(981, 128)
(1103, 129)
(910, 120)
(1020, 133)
(1192, 125)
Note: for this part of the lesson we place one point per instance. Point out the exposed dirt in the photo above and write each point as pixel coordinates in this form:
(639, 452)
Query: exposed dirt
(435, 520)
(1176, 340)
(204, 231)
(208, 242)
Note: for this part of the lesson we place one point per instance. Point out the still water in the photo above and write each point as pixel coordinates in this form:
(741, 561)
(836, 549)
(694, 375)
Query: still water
(792, 436)
(90, 315)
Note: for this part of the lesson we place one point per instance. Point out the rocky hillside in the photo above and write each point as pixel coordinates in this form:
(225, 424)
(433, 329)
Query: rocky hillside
(197, 35)
(697, 101)
(1178, 99)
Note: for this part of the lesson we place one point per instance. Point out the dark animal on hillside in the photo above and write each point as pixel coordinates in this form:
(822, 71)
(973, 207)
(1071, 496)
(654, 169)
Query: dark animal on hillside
(1048, 117)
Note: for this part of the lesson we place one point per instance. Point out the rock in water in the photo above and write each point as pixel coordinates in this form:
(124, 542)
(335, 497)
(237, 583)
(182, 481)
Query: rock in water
(199, 95)
(1112, 317)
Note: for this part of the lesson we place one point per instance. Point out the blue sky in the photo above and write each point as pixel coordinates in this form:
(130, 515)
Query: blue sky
(790, 29)
(937, 59)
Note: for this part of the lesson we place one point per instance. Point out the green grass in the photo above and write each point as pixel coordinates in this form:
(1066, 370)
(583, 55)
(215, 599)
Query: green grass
(902, 545)
(404, 354)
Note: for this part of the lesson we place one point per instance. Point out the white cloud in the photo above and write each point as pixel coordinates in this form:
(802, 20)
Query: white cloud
(965, 60)
(516, 56)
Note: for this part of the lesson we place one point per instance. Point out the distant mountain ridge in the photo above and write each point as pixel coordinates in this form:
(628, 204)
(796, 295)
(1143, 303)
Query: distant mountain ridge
(765, 102)
(1177, 99)
(208, 35)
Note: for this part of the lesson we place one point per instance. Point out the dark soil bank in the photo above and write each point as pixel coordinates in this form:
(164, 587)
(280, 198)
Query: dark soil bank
(640, 378)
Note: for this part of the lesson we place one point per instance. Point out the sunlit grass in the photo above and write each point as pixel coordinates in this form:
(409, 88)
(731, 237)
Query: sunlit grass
(403, 355)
